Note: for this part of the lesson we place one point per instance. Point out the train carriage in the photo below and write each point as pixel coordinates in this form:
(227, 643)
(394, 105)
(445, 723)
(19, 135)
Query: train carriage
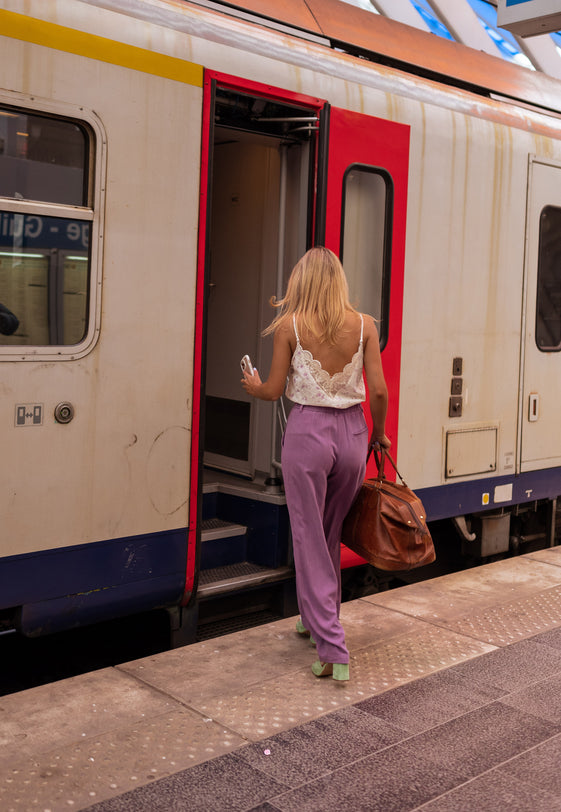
(162, 166)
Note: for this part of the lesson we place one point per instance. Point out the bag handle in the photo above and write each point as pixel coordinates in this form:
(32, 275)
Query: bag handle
(380, 454)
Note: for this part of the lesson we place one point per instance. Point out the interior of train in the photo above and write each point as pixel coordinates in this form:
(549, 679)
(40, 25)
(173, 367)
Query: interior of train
(259, 217)
(262, 215)
(261, 159)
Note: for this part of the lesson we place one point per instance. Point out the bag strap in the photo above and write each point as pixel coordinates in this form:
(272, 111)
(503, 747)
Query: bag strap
(380, 454)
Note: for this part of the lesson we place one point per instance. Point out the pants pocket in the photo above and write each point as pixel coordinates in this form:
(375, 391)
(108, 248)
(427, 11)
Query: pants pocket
(360, 425)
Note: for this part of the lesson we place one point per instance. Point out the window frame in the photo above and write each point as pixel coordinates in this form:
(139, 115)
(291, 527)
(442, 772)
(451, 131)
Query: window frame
(92, 213)
(384, 324)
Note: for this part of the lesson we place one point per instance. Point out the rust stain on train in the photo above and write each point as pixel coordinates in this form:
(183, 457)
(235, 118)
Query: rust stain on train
(544, 147)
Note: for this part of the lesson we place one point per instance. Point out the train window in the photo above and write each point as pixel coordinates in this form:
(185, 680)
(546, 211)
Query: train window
(548, 304)
(42, 158)
(365, 242)
(435, 25)
(44, 278)
(46, 222)
(505, 42)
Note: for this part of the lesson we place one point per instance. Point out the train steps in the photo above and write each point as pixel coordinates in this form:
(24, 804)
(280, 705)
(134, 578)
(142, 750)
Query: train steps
(246, 575)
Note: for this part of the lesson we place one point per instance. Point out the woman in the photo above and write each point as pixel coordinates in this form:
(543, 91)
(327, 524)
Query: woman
(322, 344)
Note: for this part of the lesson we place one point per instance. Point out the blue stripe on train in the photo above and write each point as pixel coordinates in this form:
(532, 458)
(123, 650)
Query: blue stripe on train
(72, 586)
(460, 498)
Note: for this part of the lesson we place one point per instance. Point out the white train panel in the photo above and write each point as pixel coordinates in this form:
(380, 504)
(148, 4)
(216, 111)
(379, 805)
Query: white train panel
(122, 464)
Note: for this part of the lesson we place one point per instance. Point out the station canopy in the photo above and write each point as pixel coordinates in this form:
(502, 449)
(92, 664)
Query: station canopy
(528, 18)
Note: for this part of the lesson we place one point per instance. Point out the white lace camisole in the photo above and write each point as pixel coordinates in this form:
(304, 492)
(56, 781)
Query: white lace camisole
(311, 385)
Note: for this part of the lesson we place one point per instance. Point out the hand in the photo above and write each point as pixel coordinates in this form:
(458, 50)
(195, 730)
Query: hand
(383, 441)
(251, 383)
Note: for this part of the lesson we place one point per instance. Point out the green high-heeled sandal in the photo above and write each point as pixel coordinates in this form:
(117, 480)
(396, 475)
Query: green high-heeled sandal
(303, 631)
(339, 671)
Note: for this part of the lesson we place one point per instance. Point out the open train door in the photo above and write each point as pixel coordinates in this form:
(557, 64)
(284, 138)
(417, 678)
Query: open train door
(280, 172)
(361, 216)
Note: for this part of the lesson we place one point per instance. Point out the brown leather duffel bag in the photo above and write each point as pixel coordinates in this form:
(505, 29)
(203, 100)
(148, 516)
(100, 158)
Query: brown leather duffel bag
(387, 523)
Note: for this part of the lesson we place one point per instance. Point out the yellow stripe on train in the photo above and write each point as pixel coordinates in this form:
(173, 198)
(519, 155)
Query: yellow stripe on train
(51, 35)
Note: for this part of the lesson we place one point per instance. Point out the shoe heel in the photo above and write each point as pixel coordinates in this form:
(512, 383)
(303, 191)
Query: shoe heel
(320, 669)
(341, 671)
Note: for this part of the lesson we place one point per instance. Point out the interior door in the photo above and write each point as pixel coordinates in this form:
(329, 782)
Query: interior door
(261, 156)
(541, 391)
(242, 260)
(363, 220)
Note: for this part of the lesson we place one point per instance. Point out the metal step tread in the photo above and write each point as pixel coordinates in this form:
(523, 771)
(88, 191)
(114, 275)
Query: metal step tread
(239, 576)
(222, 482)
(220, 529)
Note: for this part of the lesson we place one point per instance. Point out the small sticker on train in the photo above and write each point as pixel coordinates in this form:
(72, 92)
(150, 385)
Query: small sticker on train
(503, 493)
(29, 414)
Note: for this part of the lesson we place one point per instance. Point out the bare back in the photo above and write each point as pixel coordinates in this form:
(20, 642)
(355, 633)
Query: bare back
(333, 357)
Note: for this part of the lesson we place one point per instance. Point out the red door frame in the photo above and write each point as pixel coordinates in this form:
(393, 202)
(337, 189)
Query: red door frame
(352, 138)
(211, 79)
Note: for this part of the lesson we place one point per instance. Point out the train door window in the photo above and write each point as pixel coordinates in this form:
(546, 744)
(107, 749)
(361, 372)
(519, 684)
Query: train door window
(366, 240)
(46, 220)
(548, 303)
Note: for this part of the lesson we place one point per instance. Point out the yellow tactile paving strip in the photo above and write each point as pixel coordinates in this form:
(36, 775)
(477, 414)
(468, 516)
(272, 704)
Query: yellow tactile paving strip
(76, 742)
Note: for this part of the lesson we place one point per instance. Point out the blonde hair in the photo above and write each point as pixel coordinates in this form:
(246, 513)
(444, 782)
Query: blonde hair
(317, 293)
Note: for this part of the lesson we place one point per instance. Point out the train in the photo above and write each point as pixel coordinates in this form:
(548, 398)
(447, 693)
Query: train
(163, 165)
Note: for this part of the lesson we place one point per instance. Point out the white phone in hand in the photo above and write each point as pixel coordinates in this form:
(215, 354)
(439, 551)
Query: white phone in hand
(246, 364)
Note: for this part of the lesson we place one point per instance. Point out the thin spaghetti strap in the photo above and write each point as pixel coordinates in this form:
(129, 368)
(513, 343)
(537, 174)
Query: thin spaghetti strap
(361, 326)
(295, 330)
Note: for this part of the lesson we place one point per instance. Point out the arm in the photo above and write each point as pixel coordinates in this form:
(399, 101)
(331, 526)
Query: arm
(375, 381)
(273, 387)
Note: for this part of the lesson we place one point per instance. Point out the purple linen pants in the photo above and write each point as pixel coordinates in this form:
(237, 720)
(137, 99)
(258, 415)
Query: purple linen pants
(323, 465)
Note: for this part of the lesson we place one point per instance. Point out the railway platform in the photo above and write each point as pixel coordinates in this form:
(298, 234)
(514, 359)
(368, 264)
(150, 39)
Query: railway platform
(454, 703)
